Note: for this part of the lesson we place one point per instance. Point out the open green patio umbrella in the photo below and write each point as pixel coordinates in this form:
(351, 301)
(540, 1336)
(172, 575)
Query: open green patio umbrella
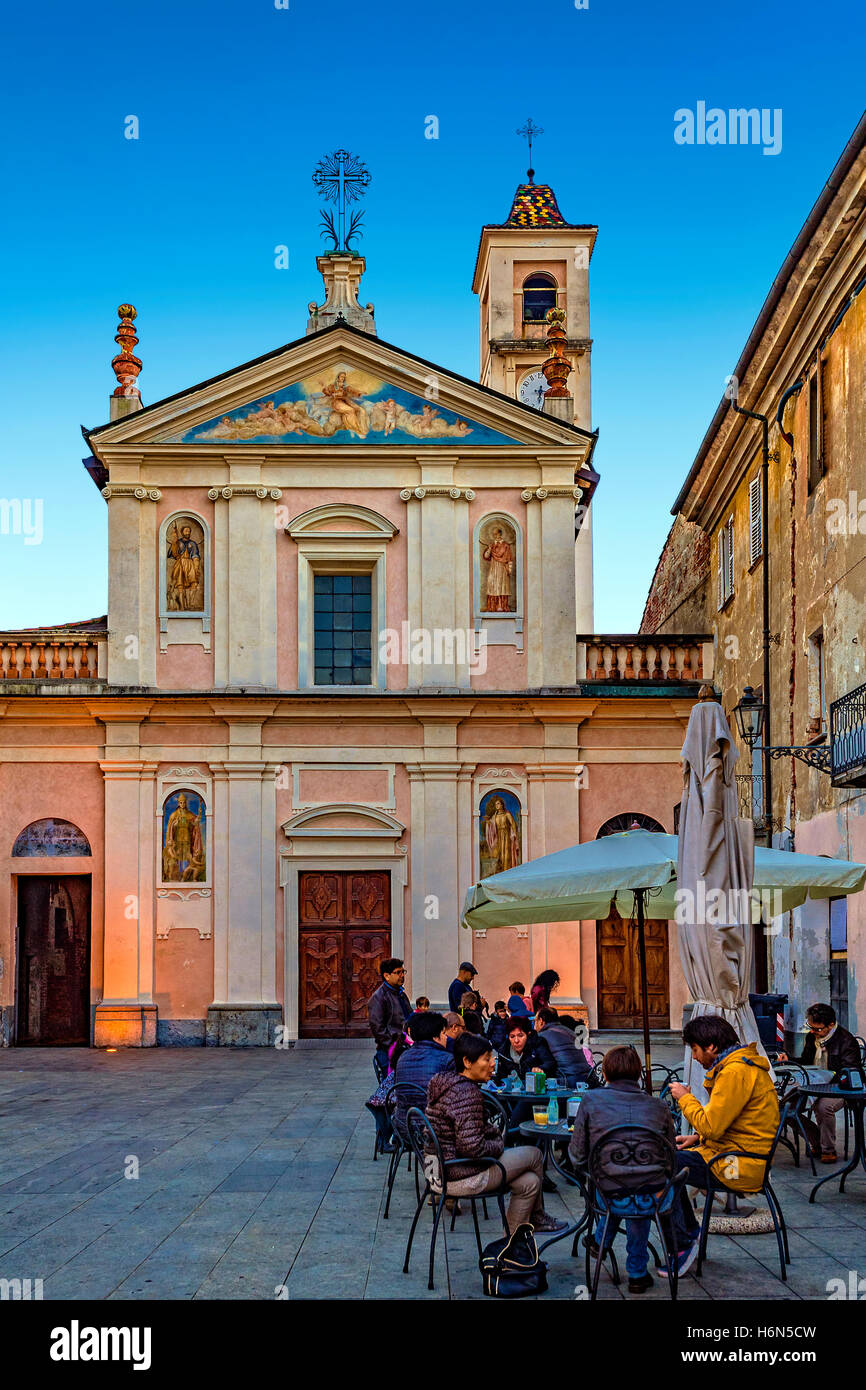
(636, 872)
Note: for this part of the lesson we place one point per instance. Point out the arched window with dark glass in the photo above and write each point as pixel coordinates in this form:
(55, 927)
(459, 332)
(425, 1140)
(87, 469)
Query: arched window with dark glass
(539, 295)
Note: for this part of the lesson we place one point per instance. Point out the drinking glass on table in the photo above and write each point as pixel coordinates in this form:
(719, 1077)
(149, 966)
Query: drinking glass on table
(539, 1114)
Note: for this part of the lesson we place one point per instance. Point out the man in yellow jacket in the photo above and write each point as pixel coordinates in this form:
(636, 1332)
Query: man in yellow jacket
(742, 1113)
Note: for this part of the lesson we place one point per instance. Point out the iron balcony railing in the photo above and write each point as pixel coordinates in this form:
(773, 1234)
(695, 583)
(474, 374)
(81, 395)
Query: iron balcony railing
(848, 739)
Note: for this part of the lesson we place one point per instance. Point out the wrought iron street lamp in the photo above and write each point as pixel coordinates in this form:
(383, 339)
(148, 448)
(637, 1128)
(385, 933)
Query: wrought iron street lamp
(750, 714)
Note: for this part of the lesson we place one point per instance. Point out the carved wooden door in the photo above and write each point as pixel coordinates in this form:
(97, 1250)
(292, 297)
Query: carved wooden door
(618, 967)
(344, 922)
(53, 1006)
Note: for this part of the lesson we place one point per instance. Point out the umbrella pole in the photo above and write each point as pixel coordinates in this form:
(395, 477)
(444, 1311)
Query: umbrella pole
(644, 996)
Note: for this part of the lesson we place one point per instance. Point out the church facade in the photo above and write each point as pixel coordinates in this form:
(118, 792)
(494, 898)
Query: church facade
(348, 667)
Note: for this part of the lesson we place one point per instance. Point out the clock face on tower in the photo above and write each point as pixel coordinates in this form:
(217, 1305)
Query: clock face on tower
(532, 389)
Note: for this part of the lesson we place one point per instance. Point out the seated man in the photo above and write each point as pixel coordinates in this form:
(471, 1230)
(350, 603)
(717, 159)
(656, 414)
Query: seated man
(571, 1063)
(742, 1113)
(424, 1059)
(454, 1026)
(456, 1111)
(623, 1101)
(524, 1051)
(497, 1027)
(516, 1002)
(831, 1046)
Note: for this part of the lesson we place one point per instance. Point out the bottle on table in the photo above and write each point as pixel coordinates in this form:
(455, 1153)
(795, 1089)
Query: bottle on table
(553, 1111)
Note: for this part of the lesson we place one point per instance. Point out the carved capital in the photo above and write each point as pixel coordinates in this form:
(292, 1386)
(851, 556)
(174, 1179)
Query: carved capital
(140, 492)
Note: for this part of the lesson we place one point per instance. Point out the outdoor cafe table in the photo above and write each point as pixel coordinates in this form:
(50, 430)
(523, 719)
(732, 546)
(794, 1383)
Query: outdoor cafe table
(854, 1101)
(548, 1136)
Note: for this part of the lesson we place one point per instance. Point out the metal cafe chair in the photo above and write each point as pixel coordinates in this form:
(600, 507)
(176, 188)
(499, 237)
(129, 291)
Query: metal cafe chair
(428, 1153)
(764, 1188)
(410, 1094)
(633, 1147)
(792, 1122)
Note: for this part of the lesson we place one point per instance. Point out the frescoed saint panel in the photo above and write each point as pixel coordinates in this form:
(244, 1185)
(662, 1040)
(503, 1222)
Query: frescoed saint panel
(184, 566)
(501, 833)
(184, 838)
(498, 566)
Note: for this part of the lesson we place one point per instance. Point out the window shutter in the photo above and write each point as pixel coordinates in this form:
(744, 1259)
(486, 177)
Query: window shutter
(755, 520)
(721, 566)
(730, 557)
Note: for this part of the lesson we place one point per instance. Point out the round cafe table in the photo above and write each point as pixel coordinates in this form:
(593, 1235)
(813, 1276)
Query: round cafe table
(548, 1136)
(854, 1100)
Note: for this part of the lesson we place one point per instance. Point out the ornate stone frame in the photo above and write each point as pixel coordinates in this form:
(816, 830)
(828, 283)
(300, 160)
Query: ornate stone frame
(176, 780)
(317, 847)
(493, 779)
(193, 628)
(340, 551)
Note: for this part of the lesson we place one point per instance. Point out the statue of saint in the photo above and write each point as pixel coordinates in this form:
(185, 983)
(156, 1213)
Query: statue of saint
(183, 858)
(499, 555)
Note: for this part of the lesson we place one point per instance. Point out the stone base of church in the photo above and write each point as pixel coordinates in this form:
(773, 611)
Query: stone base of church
(242, 1025)
(125, 1025)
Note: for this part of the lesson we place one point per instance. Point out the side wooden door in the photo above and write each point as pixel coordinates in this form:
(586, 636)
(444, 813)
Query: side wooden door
(618, 965)
(344, 931)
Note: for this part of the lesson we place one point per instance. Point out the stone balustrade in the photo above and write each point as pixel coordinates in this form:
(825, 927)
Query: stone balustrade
(623, 659)
(52, 656)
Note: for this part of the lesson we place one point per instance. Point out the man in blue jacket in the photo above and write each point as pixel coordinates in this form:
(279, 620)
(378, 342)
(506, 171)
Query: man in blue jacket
(426, 1057)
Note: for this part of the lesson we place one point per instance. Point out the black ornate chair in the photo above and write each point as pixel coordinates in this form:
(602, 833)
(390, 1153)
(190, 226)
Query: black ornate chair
(792, 1128)
(410, 1094)
(633, 1147)
(764, 1188)
(428, 1153)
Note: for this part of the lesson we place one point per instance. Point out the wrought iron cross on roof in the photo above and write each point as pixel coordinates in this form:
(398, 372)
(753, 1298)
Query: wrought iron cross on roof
(529, 133)
(341, 178)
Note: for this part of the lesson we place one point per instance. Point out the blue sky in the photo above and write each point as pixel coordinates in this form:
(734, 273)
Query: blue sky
(238, 101)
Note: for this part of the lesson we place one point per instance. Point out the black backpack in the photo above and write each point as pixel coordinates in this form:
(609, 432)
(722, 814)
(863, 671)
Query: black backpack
(510, 1268)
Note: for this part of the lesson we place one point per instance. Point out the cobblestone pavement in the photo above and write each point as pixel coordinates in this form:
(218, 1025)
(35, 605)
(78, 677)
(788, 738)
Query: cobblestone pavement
(255, 1171)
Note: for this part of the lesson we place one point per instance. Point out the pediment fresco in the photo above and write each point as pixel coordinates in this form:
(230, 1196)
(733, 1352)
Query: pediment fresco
(343, 405)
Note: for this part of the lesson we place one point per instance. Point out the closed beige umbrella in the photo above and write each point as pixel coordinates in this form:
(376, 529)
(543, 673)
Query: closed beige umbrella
(715, 866)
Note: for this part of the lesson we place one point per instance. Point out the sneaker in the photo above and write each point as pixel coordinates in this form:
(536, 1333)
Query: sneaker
(685, 1259)
(829, 1158)
(546, 1223)
(642, 1284)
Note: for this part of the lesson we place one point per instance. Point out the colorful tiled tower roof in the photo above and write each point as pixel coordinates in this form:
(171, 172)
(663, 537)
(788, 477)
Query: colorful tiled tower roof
(535, 205)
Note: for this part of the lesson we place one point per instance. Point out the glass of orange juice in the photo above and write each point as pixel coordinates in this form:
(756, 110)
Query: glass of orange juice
(539, 1115)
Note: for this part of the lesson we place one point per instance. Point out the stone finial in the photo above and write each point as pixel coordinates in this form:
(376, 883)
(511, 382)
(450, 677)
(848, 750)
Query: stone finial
(126, 365)
(556, 367)
(341, 272)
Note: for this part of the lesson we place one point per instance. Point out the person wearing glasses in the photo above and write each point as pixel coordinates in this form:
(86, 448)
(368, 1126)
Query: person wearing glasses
(831, 1046)
(388, 1009)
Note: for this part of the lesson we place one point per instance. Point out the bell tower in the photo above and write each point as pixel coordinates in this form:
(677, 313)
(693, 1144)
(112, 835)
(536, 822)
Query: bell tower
(531, 263)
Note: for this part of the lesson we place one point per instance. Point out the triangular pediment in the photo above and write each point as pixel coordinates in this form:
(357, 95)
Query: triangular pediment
(340, 387)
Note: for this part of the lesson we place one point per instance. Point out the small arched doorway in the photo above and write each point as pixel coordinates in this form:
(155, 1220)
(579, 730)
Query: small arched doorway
(617, 962)
(53, 946)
